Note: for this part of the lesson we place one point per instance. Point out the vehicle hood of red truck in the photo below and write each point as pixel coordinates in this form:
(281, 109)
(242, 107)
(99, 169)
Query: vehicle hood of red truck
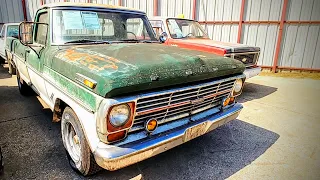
(229, 47)
(122, 68)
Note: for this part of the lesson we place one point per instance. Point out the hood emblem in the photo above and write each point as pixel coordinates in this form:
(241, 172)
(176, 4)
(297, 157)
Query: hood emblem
(244, 60)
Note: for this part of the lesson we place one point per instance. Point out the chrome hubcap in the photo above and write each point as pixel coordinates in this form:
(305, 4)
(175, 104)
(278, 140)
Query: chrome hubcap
(72, 142)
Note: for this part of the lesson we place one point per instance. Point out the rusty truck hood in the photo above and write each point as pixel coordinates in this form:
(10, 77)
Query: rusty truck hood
(127, 67)
(228, 46)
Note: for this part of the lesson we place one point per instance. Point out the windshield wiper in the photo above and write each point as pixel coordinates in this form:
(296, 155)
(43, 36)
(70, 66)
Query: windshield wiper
(136, 41)
(87, 41)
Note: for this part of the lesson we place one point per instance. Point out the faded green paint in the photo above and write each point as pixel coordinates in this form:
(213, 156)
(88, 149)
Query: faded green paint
(72, 89)
(123, 68)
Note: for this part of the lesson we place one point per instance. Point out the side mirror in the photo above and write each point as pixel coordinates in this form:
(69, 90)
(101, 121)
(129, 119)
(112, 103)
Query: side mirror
(26, 33)
(163, 37)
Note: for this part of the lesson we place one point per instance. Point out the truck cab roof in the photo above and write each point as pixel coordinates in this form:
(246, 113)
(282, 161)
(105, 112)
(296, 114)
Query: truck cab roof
(89, 5)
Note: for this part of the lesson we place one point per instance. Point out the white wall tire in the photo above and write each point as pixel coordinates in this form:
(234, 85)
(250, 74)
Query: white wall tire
(75, 143)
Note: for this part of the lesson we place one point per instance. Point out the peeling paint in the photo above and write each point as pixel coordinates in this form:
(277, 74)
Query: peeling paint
(89, 59)
(129, 67)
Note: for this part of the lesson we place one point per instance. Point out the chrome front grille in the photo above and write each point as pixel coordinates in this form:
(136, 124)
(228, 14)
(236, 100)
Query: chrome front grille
(171, 106)
(249, 59)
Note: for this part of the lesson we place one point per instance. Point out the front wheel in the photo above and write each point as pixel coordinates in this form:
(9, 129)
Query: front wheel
(75, 143)
(12, 69)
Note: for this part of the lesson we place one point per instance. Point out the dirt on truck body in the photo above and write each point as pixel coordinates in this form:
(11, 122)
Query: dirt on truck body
(120, 96)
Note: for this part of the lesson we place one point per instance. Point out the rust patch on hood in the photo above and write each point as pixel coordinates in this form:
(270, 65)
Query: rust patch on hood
(90, 59)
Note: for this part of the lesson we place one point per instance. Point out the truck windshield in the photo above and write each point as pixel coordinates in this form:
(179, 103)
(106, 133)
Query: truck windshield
(183, 28)
(89, 26)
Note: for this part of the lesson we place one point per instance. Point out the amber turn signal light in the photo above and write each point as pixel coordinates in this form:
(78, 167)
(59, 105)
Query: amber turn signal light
(90, 84)
(232, 100)
(151, 125)
(116, 136)
(226, 102)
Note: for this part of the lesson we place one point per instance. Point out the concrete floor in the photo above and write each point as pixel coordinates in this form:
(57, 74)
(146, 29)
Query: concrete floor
(276, 136)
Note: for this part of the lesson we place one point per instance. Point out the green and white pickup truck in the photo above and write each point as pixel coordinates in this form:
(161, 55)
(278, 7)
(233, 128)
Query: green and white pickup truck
(120, 95)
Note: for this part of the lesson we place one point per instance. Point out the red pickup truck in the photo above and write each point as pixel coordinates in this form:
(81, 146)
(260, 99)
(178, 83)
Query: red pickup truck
(189, 34)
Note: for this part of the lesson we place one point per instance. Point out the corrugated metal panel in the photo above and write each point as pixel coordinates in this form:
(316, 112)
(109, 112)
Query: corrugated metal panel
(11, 11)
(110, 2)
(263, 36)
(299, 47)
(263, 10)
(143, 5)
(225, 32)
(173, 8)
(315, 15)
(32, 7)
(300, 42)
(220, 10)
(56, 1)
(309, 58)
(303, 10)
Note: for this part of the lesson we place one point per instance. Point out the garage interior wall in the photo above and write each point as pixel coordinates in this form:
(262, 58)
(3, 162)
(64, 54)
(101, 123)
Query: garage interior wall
(10, 11)
(261, 19)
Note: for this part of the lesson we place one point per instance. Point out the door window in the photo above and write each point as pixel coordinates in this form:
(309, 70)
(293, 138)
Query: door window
(41, 29)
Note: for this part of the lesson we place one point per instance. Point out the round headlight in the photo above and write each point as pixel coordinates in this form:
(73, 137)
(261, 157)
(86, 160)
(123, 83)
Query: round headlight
(238, 86)
(119, 115)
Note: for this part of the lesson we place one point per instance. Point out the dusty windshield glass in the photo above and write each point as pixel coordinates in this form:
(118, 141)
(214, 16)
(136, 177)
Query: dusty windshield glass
(182, 28)
(89, 26)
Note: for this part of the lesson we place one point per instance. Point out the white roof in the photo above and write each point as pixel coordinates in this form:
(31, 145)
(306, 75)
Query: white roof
(11, 24)
(71, 4)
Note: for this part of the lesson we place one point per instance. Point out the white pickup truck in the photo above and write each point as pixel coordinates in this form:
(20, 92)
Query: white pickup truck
(8, 30)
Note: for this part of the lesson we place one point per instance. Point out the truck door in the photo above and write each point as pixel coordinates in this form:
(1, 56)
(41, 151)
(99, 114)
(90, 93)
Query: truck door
(35, 57)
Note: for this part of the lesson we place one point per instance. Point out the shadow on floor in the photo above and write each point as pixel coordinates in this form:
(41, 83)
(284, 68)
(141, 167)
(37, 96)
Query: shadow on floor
(4, 71)
(33, 149)
(253, 91)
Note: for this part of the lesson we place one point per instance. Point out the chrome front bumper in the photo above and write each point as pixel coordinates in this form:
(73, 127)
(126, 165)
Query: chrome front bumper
(251, 72)
(113, 157)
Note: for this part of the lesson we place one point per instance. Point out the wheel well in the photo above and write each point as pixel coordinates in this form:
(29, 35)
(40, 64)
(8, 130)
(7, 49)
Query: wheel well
(59, 106)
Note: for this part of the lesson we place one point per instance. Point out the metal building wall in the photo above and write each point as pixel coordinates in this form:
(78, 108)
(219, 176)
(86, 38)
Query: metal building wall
(287, 31)
(220, 10)
(301, 42)
(31, 8)
(173, 8)
(10, 11)
(262, 35)
(144, 5)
